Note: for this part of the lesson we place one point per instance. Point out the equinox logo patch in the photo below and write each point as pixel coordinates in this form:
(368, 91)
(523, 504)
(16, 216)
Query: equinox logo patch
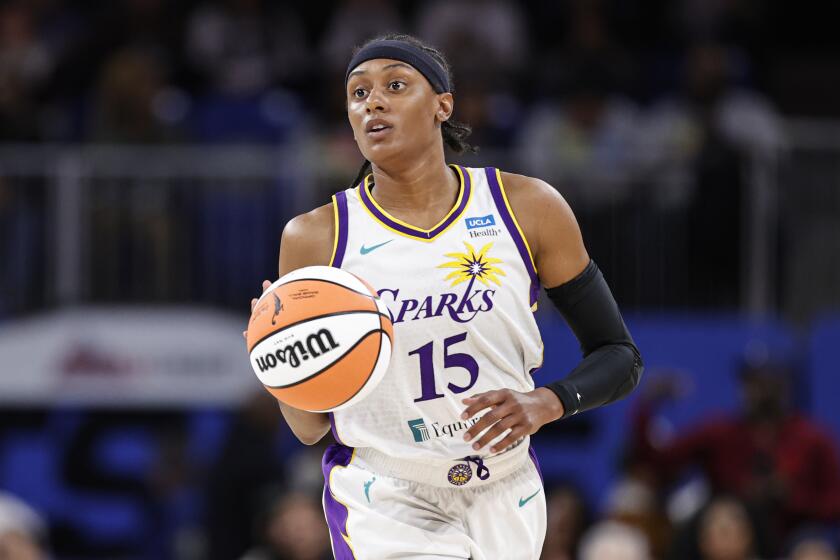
(419, 430)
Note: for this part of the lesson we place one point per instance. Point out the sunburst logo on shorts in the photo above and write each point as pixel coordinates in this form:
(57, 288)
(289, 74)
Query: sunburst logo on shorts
(474, 265)
(460, 474)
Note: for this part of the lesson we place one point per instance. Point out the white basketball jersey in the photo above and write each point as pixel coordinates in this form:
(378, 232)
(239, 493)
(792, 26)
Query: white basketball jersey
(461, 297)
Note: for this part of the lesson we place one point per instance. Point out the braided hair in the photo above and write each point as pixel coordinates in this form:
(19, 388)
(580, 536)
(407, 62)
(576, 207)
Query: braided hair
(454, 133)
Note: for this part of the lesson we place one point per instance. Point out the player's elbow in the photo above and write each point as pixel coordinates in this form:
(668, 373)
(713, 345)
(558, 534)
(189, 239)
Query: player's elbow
(310, 435)
(313, 430)
(626, 371)
(635, 368)
(308, 427)
(310, 438)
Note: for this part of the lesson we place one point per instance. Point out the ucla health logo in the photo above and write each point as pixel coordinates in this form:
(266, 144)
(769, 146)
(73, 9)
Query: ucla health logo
(482, 226)
(481, 221)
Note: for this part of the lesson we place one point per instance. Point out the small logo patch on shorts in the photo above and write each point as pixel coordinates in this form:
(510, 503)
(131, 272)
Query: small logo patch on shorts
(459, 474)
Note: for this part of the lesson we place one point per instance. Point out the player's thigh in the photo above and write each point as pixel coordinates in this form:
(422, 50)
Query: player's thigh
(375, 517)
(509, 519)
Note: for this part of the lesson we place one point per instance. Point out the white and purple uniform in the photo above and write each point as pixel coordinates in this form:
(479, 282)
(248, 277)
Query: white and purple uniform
(402, 482)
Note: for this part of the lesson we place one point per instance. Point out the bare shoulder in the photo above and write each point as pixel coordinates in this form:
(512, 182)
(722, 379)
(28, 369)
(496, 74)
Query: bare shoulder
(308, 239)
(549, 226)
(534, 201)
(529, 189)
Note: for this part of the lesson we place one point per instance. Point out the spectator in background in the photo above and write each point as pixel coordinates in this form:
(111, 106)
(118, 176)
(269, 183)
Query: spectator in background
(581, 132)
(245, 47)
(133, 105)
(247, 468)
(25, 64)
(585, 142)
(22, 531)
(353, 23)
(349, 26)
(725, 532)
(611, 540)
(633, 502)
(589, 40)
(567, 519)
(814, 545)
(293, 529)
(21, 283)
(780, 463)
(474, 32)
(131, 101)
(695, 147)
(582, 135)
(741, 19)
(709, 114)
(151, 25)
(84, 37)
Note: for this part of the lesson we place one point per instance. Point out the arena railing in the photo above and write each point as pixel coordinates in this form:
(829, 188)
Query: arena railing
(87, 224)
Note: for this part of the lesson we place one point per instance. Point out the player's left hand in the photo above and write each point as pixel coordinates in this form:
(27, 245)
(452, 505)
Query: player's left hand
(521, 413)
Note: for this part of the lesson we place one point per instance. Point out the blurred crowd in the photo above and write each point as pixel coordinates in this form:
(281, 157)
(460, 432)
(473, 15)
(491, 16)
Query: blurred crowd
(589, 94)
(572, 74)
(650, 116)
(761, 483)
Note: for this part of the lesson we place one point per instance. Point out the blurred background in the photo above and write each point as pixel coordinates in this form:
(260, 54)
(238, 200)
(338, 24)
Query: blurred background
(151, 152)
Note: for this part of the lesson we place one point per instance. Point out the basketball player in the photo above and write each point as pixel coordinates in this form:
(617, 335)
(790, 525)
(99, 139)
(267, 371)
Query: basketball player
(436, 462)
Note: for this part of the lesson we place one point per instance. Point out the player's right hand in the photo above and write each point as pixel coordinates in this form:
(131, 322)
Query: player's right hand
(265, 285)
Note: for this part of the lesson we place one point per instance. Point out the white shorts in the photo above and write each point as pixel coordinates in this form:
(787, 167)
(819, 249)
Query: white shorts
(373, 516)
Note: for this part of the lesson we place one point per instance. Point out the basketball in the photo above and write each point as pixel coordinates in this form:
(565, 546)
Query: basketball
(319, 339)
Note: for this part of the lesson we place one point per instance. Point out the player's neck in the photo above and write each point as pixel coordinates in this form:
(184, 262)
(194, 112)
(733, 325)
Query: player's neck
(422, 184)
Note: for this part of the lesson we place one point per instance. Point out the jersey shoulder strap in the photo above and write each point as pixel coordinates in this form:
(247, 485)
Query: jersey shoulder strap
(341, 222)
(497, 191)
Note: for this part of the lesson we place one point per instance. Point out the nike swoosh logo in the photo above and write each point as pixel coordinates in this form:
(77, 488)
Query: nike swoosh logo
(365, 250)
(523, 501)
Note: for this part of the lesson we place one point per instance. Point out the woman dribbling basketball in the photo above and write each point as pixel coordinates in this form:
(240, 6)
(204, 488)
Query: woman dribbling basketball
(435, 462)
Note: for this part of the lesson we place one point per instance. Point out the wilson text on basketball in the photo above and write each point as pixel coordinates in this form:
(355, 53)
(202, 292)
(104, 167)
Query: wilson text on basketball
(293, 354)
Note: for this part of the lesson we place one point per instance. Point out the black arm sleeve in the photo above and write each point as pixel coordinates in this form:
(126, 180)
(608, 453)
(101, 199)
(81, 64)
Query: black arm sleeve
(612, 365)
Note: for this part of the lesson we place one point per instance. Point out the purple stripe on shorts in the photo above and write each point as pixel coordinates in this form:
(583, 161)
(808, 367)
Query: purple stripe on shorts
(336, 455)
(533, 455)
(413, 232)
(333, 428)
(507, 218)
(341, 246)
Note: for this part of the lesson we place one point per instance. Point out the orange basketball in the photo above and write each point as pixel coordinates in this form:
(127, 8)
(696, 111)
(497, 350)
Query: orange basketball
(319, 339)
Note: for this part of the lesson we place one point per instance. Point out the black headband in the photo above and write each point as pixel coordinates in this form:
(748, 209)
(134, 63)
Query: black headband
(405, 52)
